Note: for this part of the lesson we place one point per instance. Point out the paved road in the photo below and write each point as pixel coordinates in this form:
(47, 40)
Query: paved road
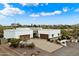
(71, 50)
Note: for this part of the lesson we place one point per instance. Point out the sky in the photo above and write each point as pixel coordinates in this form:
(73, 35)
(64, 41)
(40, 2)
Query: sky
(39, 13)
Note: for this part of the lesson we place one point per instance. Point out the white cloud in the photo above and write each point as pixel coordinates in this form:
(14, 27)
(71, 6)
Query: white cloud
(65, 9)
(35, 4)
(10, 11)
(23, 4)
(34, 15)
(50, 13)
(29, 4)
(46, 3)
(2, 17)
(57, 12)
(77, 10)
(45, 14)
(6, 5)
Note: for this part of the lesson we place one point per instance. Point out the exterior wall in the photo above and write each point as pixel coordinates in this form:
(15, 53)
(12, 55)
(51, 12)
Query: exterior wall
(55, 32)
(24, 32)
(3, 41)
(50, 32)
(15, 33)
(43, 31)
(9, 34)
(22, 28)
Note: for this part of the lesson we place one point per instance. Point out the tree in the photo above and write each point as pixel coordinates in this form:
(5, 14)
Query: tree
(66, 34)
(75, 33)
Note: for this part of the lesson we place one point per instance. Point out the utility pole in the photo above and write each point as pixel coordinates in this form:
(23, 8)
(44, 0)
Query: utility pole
(76, 31)
(15, 23)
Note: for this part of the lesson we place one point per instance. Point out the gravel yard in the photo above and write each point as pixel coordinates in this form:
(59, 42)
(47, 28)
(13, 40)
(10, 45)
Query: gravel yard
(5, 50)
(71, 50)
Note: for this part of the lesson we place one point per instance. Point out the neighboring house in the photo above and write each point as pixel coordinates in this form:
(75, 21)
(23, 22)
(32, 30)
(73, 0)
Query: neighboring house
(18, 33)
(48, 33)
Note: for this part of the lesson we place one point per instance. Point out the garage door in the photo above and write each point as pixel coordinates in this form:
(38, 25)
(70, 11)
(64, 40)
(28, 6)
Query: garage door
(44, 36)
(24, 37)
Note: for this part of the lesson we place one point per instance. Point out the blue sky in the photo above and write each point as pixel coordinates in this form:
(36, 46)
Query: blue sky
(39, 13)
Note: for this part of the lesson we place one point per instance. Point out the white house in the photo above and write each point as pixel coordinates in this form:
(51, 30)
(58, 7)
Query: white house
(18, 33)
(48, 33)
(27, 33)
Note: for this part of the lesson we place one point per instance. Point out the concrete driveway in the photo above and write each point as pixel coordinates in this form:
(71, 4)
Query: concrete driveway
(45, 45)
(71, 50)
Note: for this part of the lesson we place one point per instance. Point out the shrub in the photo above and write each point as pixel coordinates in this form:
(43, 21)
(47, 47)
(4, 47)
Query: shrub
(32, 45)
(38, 51)
(57, 41)
(9, 40)
(68, 37)
(78, 40)
(14, 43)
(48, 39)
(33, 54)
(51, 40)
(59, 38)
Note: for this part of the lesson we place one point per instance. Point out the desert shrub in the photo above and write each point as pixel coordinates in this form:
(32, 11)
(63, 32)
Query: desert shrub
(48, 39)
(51, 40)
(38, 51)
(68, 37)
(32, 45)
(14, 42)
(8, 40)
(57, 41)
(22, 44)
(59, 38)
(78, 40)
(33, 54)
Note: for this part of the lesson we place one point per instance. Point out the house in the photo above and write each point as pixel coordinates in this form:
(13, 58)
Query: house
(48, 33)
(18, 33)
(27, 33)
